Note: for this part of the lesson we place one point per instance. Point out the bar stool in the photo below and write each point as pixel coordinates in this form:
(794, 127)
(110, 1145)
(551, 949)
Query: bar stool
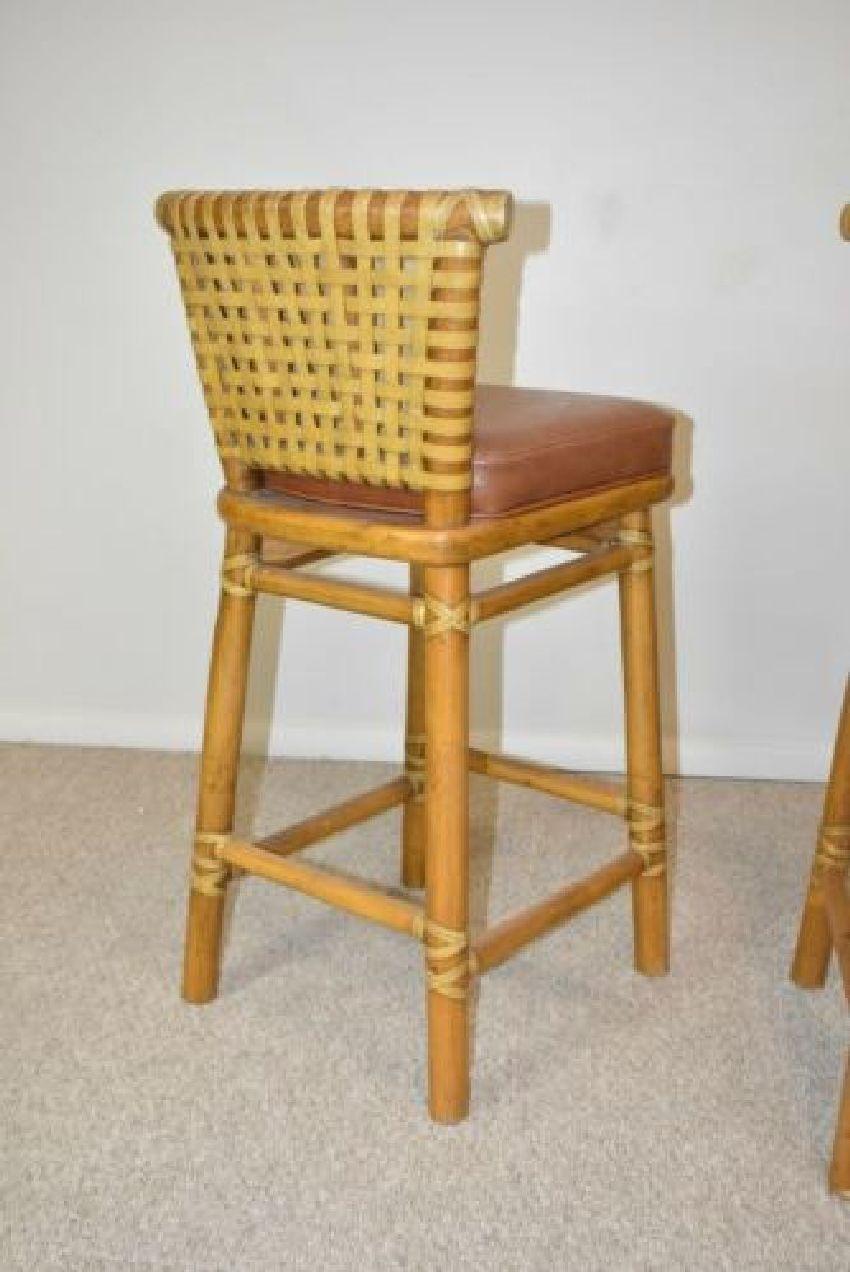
(335, 335)
(825, 923)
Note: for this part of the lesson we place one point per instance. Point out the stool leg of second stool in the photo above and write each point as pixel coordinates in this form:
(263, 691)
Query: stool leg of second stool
(814, 944)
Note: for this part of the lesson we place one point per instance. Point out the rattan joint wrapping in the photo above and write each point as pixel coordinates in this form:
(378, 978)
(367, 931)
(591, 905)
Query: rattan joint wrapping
(833, 848)
(209, 875)
(414, 764)
(647, 835)
(638, 539)
(237, 573)
(443, 944)
(436, 617)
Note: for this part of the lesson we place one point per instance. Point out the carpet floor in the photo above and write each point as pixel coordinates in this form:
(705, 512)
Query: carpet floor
(617, 1122)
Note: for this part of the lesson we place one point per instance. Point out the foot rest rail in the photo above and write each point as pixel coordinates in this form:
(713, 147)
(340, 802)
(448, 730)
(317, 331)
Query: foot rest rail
(606, 797)
(503, 940)
(340, 817)
(366, 900)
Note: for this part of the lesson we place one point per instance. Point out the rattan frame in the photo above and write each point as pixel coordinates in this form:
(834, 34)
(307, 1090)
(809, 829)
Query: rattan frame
(610, 531)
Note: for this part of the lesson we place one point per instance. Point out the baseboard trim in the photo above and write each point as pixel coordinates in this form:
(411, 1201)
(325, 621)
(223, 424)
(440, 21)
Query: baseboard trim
(697, 757)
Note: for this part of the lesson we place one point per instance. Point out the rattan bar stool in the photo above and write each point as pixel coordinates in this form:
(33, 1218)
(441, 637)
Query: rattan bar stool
(335, 335)
(825, 923)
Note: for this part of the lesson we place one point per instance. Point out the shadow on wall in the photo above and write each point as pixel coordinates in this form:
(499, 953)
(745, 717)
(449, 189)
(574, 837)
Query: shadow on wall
(497, 365)
(530, 234)
(665, 590)
(500, 314)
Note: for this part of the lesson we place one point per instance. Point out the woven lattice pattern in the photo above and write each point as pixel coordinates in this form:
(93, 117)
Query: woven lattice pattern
(335, 332)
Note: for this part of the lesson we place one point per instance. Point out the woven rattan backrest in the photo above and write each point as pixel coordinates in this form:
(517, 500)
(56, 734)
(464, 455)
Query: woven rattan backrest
(335, 332)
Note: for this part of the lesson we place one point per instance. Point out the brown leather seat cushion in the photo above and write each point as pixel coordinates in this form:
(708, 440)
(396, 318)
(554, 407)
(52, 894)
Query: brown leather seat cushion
(532, 447)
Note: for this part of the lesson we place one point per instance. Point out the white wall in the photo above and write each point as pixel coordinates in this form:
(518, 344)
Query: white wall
(693, 156)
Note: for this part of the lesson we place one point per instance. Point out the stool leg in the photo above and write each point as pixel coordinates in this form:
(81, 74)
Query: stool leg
(217, 787)
(839, 1170)
(814, 944)
(644, 777)
(413, 816)
(447, 864)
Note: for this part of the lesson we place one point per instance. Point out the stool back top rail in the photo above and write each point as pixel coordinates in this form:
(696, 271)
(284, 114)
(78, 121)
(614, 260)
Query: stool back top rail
(335, 336)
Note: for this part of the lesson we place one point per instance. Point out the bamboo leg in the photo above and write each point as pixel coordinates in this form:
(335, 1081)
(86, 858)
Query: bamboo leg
(219, 759)
(839, 1169)
(814, 944)
(645, 782)
(413, 818)
(447, 865)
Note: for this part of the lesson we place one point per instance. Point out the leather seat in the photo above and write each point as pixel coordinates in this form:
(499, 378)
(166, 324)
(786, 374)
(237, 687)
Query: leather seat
(531, 447)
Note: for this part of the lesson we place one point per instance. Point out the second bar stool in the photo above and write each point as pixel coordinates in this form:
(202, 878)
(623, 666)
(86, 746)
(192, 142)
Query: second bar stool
(825, 922)
(335, 334)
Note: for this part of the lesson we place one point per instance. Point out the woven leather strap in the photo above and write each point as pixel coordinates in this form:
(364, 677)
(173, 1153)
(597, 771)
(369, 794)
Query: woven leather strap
(321, 320)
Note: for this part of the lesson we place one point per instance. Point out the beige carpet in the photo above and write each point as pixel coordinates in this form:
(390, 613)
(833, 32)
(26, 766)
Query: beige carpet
(617, 1123)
